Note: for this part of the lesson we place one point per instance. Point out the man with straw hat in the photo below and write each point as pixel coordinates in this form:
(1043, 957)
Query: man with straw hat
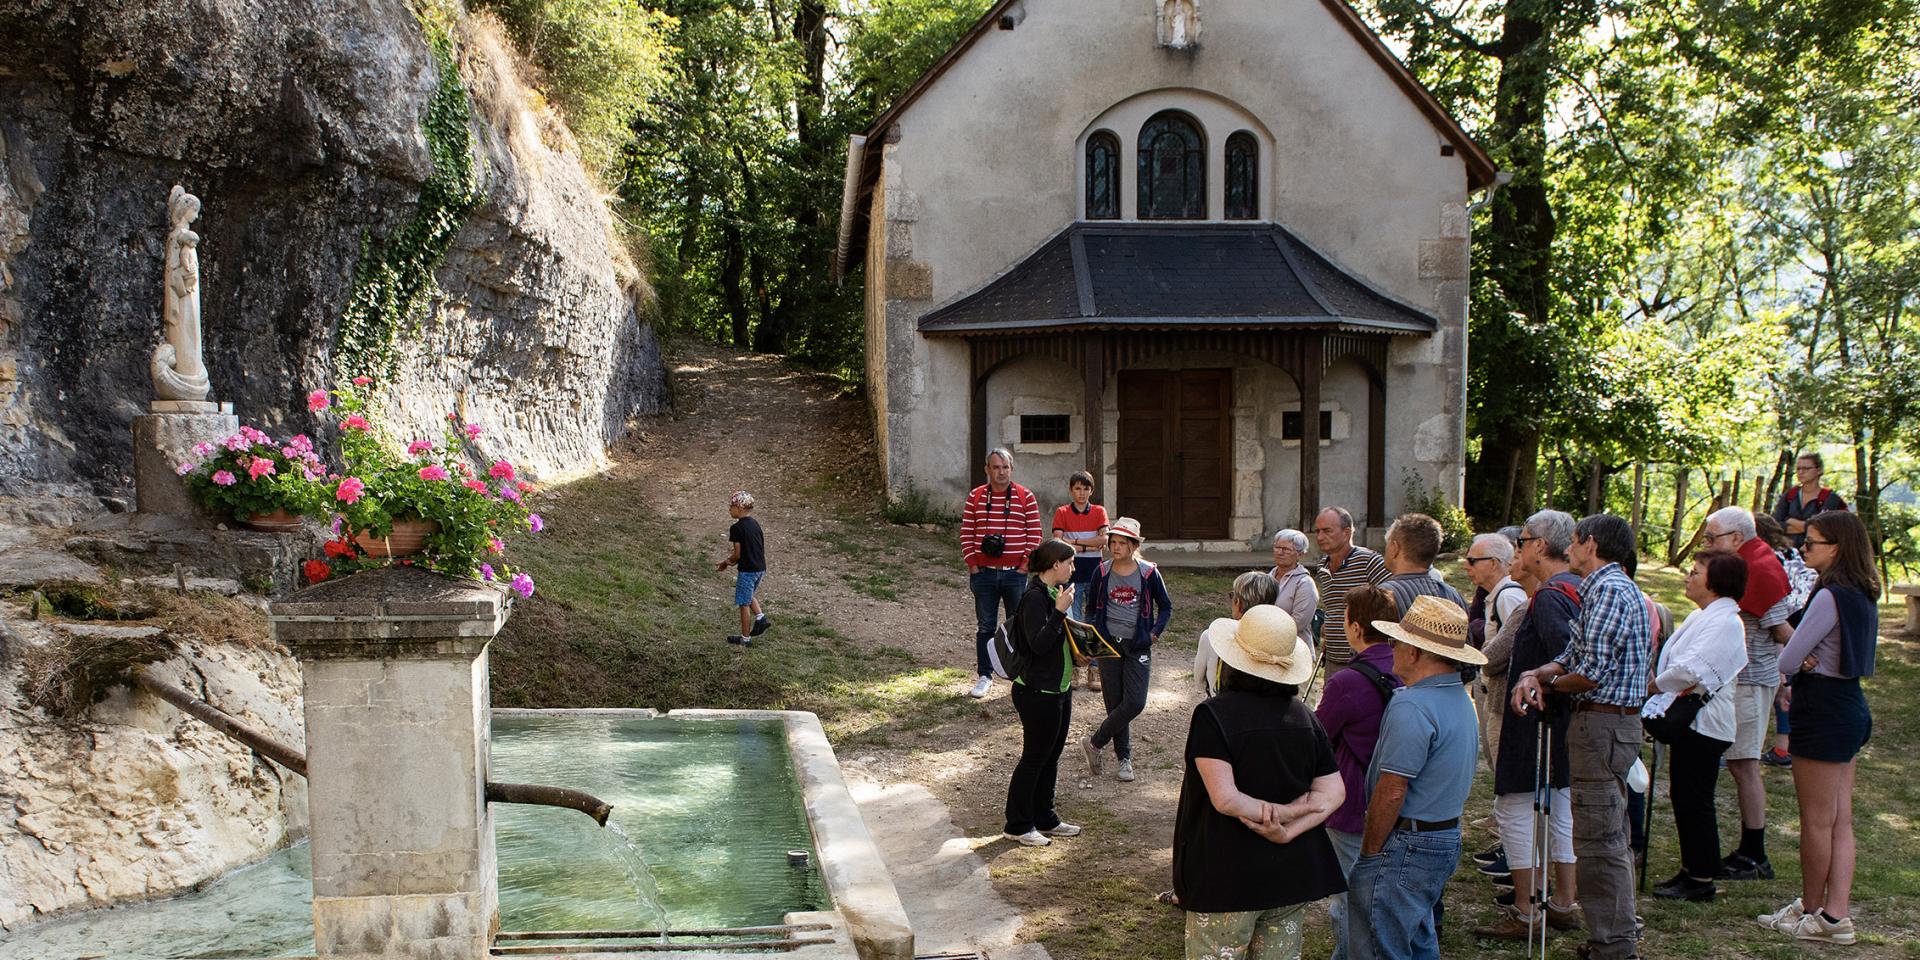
(1421, 774)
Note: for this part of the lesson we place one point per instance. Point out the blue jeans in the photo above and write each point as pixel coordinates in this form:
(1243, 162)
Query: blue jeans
(993, 588)
(1393, 895)
(1346, 849)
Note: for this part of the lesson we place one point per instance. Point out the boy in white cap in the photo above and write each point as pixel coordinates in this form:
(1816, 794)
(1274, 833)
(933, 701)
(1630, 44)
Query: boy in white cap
(749, 555)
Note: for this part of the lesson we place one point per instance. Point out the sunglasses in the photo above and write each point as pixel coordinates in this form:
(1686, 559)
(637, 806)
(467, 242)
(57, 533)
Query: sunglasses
(1524, 540)
(1811, 542)
(1473, 560)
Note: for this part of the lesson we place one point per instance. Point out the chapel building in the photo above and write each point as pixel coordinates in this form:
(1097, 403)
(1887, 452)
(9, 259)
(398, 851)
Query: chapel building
(1141, 237)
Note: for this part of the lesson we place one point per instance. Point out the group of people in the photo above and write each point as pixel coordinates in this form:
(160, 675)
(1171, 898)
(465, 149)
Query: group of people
(1555, 673)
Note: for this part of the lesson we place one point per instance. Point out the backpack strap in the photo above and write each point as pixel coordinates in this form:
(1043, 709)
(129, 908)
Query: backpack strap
(1378, 679)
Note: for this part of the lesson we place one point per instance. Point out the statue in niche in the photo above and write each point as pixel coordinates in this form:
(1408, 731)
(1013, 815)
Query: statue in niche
(179, 371)
(1179, 24)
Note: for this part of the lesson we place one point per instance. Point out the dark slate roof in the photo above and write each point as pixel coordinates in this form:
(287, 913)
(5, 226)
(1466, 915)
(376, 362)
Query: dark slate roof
(1148, 275)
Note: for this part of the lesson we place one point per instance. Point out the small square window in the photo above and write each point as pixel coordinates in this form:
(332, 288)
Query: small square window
(1290, 425)
(1046, 428)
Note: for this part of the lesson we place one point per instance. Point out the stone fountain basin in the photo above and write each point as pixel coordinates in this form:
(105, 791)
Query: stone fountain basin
(867, 919)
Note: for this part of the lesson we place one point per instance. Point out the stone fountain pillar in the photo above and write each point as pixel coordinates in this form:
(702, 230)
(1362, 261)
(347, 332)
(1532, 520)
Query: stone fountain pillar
(397, 731)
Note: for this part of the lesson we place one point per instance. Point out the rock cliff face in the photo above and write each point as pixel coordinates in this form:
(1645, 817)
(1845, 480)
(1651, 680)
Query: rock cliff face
(297, 122)
(141, 800)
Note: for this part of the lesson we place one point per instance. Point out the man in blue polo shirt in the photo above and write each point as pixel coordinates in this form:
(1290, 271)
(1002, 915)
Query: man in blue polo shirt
(1418, 783)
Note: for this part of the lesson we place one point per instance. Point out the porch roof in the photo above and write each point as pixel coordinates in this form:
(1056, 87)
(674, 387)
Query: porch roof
(1108, 275)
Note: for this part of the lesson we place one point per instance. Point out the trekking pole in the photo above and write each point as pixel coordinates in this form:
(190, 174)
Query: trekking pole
(1542, 838)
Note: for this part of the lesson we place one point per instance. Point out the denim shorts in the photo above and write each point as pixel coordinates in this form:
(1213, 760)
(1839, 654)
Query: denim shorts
(745, 583)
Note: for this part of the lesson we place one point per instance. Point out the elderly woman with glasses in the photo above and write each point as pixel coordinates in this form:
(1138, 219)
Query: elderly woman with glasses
(1299, 596)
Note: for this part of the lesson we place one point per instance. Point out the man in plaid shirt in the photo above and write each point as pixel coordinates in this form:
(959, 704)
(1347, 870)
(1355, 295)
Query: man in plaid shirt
(1604, 672)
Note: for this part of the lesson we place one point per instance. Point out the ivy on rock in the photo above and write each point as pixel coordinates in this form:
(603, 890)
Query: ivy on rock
(394, 279)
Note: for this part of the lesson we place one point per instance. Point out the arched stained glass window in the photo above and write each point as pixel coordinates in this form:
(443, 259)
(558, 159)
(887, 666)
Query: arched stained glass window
(1173, 169)
(1103, 176)
(1243, 177)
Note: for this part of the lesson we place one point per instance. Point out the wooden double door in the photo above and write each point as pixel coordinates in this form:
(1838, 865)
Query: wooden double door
(1175, 458)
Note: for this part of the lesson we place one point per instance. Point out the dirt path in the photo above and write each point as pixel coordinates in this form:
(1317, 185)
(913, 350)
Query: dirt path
(806, 455)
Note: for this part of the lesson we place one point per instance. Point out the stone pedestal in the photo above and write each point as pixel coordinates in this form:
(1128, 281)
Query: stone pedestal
(397, 732)
(161, 440)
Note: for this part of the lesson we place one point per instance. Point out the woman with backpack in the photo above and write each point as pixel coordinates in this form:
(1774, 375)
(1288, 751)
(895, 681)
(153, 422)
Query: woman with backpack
(1350, 711)
(1807, 499)
(1042, 681)
(1130, 606)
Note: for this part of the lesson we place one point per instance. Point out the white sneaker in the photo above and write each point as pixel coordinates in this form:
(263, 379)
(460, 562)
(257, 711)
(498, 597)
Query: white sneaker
(981, 688)
(1093, 755)
(1065, 829)
(1813, 926)
(1783, 919)
(1126, 770)
(1032, 838)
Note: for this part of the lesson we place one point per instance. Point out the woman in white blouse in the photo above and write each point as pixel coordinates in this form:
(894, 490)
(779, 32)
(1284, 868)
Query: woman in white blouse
(1703, 657)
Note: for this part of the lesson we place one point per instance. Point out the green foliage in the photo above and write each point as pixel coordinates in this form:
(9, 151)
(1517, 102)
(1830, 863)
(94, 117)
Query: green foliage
(898, 40)
(393, 280)
(1455, 528)
(432, 481)
(600, 60)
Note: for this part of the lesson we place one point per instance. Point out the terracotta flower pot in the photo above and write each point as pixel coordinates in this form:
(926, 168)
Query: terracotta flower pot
(279, 521)
(406, 540)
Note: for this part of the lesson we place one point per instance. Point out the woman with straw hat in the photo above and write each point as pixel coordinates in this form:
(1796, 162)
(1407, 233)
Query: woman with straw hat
(1249, 852)
(1417, 784)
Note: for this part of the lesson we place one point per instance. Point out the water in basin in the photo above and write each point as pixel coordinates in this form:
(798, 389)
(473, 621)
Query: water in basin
(710, 806)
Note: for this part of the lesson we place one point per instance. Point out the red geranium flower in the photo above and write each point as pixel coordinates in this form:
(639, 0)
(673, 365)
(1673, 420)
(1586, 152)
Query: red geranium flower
(339, 548)
(316, 570)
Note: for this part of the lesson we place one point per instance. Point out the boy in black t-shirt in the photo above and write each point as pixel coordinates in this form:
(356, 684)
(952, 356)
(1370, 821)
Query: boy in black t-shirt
(750, 555)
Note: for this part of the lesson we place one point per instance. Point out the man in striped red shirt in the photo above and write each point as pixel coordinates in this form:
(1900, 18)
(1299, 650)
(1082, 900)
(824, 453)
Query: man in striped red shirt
(999, 526)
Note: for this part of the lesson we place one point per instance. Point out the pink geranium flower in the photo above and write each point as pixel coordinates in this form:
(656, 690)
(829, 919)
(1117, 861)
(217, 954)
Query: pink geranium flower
(300, 444)
(317, 401)
(362, 381)
(473, 431)
(501, 470)
(534, 523)
(509, 493)
(260, 467)
(486, 571)
(495, 546)
(236, 443)
(356, 422)
(203, 449)
(224, 478)
(350, 490)
(419, 447)
(433, 471)
(185, 467)
(255, 436)
(476, 486)
(522, 585)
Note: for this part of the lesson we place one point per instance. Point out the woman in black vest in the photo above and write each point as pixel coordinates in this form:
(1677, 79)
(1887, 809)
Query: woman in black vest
(1041, 694)
(1249, 851)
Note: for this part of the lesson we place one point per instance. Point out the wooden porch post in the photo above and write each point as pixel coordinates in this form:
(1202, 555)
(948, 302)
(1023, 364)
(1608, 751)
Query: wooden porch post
(1313, 369)
(1093, 367)
(1377, 449)
(978, 416)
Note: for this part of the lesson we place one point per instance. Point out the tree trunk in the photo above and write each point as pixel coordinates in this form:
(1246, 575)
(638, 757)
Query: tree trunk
(1596, 486)
(1639, 513)
(1782, 468)
(1680, 478)
(806, 276)
(1513, 474)
(732, 266)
